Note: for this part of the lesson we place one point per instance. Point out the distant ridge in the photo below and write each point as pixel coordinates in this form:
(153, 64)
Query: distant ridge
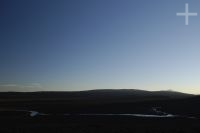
(100, 94)
(102, 101)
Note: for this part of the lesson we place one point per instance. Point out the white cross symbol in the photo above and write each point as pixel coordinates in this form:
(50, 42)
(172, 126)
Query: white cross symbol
(186, 14)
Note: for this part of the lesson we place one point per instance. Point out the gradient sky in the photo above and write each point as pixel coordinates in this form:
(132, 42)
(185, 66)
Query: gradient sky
(99, 44)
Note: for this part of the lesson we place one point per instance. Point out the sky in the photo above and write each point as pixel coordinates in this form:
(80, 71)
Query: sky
(71, 45)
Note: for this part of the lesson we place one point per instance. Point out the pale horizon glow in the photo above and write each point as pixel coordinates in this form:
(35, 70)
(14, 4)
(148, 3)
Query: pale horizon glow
(34, 87)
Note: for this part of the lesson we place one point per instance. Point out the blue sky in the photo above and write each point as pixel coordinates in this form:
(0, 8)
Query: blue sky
(99, 44)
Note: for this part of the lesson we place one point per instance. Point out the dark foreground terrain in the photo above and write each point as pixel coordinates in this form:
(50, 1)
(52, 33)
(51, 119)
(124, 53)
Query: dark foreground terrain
(99, 124)
(100, 111)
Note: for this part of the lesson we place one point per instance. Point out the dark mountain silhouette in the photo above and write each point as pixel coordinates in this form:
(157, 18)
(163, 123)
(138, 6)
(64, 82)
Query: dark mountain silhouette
(93, 101)
(103, 93)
